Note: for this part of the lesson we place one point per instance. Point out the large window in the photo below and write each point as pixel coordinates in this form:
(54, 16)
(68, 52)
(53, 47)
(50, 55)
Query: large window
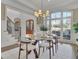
(58, 18)
(66, 14)
(56, 15)
(67, 25)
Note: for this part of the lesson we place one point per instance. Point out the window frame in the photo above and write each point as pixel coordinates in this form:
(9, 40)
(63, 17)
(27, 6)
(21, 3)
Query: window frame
(61, 19)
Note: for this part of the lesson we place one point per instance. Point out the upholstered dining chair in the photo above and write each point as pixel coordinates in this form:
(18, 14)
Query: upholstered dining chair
(29, 34)
(43, 45)
(54, 42)
(21, 43)
(28, 47)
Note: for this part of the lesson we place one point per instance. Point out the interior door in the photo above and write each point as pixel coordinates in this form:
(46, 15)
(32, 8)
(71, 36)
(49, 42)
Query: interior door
(29, 26)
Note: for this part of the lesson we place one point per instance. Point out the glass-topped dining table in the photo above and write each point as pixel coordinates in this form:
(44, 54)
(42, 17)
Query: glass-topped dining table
(49, 39)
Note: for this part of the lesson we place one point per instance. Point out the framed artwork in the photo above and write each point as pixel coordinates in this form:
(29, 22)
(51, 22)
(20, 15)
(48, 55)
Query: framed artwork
(9, 27)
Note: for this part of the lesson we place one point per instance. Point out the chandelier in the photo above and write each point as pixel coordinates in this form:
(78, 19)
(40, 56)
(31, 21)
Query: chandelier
(41, 12)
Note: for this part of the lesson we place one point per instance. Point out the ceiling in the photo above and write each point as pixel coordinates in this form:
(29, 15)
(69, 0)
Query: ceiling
(52, 4)
(31, 5)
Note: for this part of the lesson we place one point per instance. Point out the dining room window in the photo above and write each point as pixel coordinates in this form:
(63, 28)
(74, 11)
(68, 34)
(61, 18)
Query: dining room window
(56, 15)
(58, 18)
(67, 16)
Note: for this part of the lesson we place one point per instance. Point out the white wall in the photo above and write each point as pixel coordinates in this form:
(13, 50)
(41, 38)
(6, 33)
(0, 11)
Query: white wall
(7, 39)
(74, 20)
(3, 11)
(23, 18)
(14, 14)
(3, 15)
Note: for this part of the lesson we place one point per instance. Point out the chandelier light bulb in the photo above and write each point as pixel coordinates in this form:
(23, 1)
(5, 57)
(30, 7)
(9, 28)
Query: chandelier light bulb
(41, 13)
(47, 13)
(36, 14)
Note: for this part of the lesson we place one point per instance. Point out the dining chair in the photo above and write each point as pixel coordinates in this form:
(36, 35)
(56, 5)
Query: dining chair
(21, 49)
(30, 45)
(43, 45)
(55, 42)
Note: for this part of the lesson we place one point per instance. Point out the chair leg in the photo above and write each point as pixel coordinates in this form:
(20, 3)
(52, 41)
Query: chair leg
(39, 50)
(36, 54)
(19, 51)
(52, 49)
(26, 51)
(49, 50)
(43, 49)
(56, 47)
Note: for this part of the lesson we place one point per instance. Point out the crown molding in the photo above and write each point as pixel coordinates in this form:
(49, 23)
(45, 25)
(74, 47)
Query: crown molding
(18, 6)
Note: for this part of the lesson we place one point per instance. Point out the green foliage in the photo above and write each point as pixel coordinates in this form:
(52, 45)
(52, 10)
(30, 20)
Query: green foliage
(43, 28)
(75, 27)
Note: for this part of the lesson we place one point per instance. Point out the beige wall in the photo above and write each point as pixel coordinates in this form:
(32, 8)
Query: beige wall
(3, 11)
(75, 15)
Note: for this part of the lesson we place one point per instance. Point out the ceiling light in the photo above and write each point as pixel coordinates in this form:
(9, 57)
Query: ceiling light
(40, 12)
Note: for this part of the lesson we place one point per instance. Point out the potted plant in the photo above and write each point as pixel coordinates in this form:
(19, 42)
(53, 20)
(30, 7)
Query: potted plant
(75, 28)
(44, 29)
